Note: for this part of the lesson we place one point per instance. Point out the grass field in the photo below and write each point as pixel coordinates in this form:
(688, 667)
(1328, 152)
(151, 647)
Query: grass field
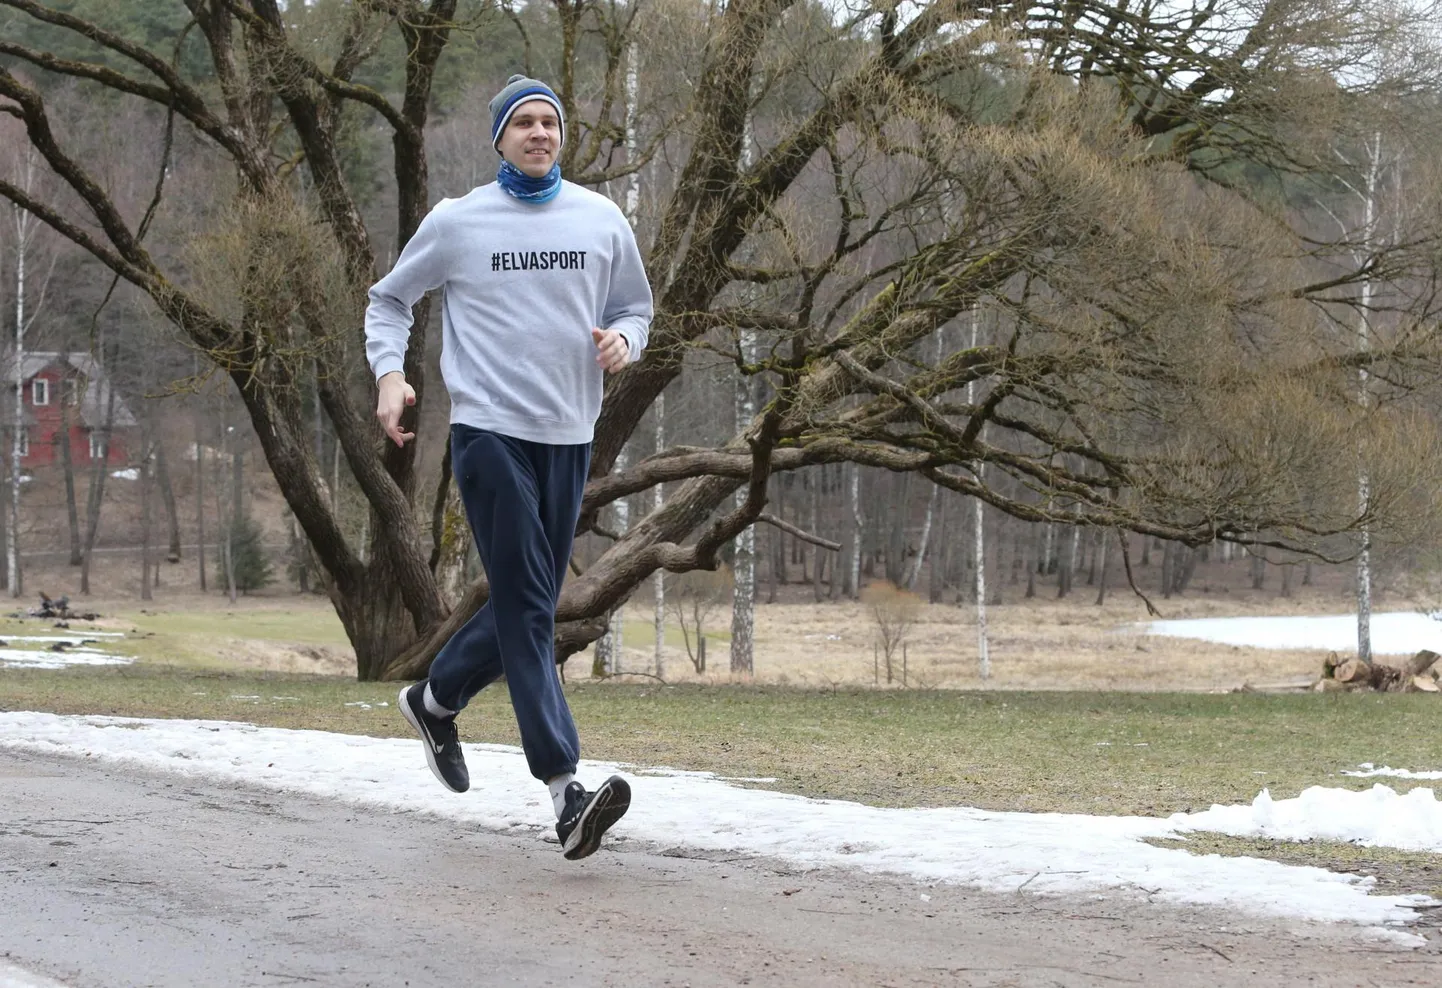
(1085, 753)
(1084, 712)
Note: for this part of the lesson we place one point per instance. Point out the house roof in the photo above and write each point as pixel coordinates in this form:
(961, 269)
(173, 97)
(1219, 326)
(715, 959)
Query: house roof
(92, 403)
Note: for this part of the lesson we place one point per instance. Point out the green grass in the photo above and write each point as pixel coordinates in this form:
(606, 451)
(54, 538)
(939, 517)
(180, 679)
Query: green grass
(1073, 752)
(189, 638)
(312, 625)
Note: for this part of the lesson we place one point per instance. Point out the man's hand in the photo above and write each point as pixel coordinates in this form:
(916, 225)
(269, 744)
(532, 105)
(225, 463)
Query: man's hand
(395, 396)
(613, 352)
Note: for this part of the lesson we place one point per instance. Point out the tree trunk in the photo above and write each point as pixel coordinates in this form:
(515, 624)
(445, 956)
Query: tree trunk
(995, 582)
(1066, 567)
(1364, 595)
(167, 494)
(1186, 567)
(840, 563)
(17, 433)
(145, 519)
(939, 558)
(912, 576)
(1018, 552)
(200, 493)
(229, 510)
(298, 556)
(743, 596)
(1102, 567)
(776, 543)
(896, 539)
(1032, 571)
(99, 468)
(67, 461)
(1168, 561)
(983, 644)
(852, 583)
(658, 579)
(819, 556)
(609, 645)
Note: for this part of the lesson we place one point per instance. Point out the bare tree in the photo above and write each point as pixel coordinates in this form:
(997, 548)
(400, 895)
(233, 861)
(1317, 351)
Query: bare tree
(1161, 371)
(695, 595)
(895, 612)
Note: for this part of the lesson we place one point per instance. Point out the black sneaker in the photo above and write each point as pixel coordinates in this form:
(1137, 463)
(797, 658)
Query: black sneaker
(443, 746)
(589, 815)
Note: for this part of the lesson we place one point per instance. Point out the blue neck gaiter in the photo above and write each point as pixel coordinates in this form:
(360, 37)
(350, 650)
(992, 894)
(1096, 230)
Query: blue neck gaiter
(526, 188)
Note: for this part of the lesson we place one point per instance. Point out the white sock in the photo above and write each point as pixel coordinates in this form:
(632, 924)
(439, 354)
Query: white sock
(558, 791)
(432, 707)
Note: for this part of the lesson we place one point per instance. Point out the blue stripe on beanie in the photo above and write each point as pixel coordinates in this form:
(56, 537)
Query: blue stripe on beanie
(518, 90)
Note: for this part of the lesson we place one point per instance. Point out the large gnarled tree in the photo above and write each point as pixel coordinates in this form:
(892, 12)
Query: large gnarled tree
(1098, 178)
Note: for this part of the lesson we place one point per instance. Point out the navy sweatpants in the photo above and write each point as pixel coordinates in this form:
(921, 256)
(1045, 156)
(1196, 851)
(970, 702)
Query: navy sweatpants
(522, 499)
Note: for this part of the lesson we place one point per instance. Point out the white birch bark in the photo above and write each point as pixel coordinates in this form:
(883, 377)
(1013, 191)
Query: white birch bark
(1364, 343)
(743, 587)
(983, 644)
(12, 544)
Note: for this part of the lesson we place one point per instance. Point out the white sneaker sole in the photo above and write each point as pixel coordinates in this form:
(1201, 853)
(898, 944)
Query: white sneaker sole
(611, 802)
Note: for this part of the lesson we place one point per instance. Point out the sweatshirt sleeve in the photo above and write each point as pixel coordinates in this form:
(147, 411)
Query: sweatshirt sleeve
(628, 300)
(424, 265)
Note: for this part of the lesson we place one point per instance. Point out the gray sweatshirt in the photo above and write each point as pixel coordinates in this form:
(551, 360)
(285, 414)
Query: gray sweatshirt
(522, 285)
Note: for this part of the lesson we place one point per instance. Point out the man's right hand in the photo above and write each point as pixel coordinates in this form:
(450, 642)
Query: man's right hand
(395, 396)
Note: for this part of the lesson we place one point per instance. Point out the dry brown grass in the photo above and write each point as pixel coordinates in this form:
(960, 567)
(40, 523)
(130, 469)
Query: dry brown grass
(1042, 643)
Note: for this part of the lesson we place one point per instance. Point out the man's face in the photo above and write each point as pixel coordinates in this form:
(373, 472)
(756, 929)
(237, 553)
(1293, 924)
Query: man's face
(532, 137)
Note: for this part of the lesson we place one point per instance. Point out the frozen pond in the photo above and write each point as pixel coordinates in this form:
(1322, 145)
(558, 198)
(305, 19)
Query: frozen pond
(1395, 633)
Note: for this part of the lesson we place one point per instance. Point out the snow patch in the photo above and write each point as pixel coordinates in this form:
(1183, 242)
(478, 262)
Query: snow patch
(1396, 633)
(1049, 853)
(24, 658)
(12, 976)
(1367, 771)
(1376, 817)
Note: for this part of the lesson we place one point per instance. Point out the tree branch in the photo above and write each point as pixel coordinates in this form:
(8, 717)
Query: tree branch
(791, 529)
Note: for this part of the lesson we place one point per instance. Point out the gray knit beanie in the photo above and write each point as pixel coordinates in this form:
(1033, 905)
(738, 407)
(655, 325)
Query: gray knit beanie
(518, 90)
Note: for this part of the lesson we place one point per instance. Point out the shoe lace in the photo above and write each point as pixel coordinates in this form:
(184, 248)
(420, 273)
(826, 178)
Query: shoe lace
(447, 733)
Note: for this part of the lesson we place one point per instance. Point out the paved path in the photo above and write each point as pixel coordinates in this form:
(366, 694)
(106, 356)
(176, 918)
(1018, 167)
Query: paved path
(112, 878)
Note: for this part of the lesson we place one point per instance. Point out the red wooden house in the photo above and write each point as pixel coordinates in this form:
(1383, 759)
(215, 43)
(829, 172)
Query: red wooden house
(66, 398)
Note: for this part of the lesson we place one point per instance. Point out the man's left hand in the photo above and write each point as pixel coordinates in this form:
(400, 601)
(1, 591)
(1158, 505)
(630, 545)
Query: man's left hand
(613, 353)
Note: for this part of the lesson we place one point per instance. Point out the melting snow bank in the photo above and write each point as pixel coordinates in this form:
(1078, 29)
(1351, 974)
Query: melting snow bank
(1398, 633)
(16, 977)
(1041, 852)
(24, 658)
(73, 650)
(1367, 771)
(1378, 817)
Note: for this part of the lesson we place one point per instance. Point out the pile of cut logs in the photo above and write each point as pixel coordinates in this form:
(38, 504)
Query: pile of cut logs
(1417, 675)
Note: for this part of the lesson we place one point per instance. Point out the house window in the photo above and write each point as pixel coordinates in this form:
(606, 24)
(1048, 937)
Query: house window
(97, 446)
(72, 391)
(40, 391)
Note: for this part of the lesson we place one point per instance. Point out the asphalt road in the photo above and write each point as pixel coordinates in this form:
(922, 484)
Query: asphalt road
(112, 878)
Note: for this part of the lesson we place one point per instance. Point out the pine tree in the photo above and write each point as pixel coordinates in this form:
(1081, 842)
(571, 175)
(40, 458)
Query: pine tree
(252, 568)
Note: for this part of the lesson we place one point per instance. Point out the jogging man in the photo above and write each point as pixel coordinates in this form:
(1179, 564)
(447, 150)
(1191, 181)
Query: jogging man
(543, 289)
